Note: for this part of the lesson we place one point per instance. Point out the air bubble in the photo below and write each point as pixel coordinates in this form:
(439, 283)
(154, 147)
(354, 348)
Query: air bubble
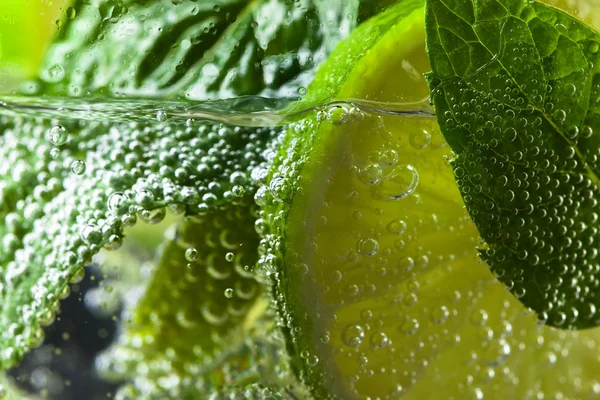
(144, 198)
(191, 254)
(153, 217)
(479, 317)
(410, 326)
(559, 115)
(368, 247)
(161, 116)
(353, 335)
(312, 360)
(397, 227)
(238, 190)
(114, 243)
(118, 203)
(71, 13)
(406, 264)
(510, 135)
(337, 115)
(420, 139)
(280, 188)
(370, 174)
(389, 157)
(439, 314)
(91, 234)
(497, 352)
(78, 167)
(366, 314)
(58, 135)
(400, 183)
(261, 196)
(549, 358)
(379, 340)
(586, 132)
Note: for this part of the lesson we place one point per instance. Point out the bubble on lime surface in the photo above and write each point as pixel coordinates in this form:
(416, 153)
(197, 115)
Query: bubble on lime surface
(420, 139)
(280, 189)
(440, 314)
(401, 181)
(338, 114)
(353, 335)
(370, 174)
(396, 227)
(368, 247)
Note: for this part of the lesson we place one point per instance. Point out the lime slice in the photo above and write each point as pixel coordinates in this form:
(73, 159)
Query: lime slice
(200, 305)
(373, 257)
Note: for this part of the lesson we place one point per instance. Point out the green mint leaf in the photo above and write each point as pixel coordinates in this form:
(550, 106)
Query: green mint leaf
(199, 50)
(515, 86)
(58, 215)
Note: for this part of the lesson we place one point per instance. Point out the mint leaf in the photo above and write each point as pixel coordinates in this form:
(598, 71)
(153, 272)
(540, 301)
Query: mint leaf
(57, 219)
(199, 50)
(64, 200)
(516, 90)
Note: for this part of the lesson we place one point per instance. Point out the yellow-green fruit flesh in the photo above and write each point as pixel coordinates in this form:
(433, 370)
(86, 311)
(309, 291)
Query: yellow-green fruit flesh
(386, 298)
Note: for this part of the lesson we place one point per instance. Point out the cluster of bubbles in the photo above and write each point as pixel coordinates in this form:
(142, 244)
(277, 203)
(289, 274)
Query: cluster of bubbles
(58, 136)
(59, 214)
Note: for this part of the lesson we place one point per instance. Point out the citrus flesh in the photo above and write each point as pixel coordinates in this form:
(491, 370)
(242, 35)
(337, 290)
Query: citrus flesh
(379, 286)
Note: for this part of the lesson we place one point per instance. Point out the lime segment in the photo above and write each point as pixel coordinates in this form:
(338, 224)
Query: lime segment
(200, 304)
(373, 257)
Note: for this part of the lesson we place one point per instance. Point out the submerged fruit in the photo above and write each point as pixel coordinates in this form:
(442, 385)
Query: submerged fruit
(372, 257)
(184, 328)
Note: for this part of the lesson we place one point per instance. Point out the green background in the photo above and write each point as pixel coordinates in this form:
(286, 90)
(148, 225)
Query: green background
(26, 27)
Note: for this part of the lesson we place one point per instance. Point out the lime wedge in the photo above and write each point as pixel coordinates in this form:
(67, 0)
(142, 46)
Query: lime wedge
(372, 256)
(201, 304)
